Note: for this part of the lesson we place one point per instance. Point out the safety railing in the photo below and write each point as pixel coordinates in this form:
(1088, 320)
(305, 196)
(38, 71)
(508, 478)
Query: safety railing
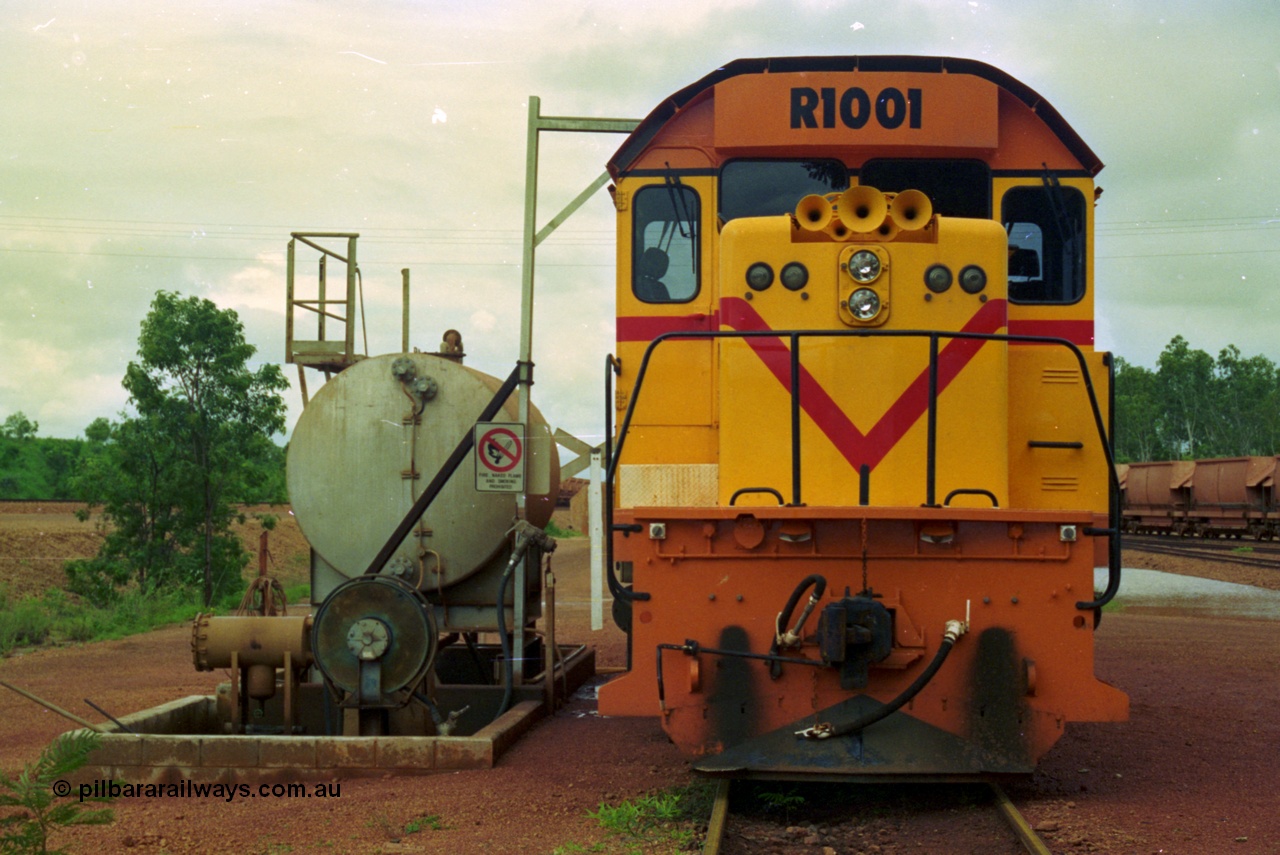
(613, 454)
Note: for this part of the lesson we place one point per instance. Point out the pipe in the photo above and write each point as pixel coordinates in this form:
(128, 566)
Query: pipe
(54, 708)
(527, 534)
(788, 638)
(954, 630)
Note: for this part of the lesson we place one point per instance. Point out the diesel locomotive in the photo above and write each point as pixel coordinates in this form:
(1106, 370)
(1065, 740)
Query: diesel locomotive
(861, 469)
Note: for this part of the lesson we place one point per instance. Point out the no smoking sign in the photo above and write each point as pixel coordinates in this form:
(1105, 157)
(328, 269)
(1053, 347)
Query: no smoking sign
(499, 457)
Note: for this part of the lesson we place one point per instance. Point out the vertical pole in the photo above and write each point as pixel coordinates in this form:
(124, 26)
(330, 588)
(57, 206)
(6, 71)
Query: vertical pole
(931, 451)
(404, 320)
(527, 258)
(322, 306)
(549, 641)
(351, 299)
(526, 360)
(795, 420)
(288, 303)
(595, 528)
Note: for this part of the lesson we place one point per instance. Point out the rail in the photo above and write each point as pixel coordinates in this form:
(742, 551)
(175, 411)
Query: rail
(613, 454)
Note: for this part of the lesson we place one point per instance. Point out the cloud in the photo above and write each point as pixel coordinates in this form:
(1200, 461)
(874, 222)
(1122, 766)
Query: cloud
(177, 148)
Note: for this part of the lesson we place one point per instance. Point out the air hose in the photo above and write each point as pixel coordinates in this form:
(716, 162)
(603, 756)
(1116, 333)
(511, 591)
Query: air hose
(954, 630)
(782, 637)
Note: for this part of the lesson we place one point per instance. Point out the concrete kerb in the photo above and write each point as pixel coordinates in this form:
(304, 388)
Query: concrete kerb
(174, 742)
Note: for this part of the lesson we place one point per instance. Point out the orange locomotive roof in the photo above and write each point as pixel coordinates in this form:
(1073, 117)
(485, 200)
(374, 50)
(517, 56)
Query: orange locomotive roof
(727, 114)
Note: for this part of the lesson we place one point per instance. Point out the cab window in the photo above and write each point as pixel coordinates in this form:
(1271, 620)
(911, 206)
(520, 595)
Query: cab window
(766, 188)
(664, 247)
(957, 188)
(1046, 228)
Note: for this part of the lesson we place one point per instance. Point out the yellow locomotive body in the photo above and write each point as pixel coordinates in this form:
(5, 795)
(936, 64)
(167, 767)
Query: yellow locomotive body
(862, 445)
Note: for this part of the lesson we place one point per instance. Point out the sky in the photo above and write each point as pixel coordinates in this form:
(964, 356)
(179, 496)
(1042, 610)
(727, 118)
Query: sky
(175, 145)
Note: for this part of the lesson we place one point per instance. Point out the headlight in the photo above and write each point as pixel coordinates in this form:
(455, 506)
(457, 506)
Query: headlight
(864, 304)
(759, 276)
(973, 279)
(938, 278)
(864, 266)
(794, 276)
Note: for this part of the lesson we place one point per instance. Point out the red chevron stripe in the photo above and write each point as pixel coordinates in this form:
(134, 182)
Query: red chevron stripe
(1076, 332)
(649, 327)
(853, 445)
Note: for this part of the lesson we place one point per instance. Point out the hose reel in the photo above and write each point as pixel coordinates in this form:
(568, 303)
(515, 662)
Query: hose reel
(373, 638)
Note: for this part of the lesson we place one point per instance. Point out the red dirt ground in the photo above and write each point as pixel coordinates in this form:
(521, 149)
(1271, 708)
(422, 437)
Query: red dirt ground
(1191, 772)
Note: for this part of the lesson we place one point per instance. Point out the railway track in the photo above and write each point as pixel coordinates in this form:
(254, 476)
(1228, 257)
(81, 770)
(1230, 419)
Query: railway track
(721, 818)
(1237, 552)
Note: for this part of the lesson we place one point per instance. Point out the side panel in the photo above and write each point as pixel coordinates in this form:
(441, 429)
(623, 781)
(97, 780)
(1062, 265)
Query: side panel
(1054, 409)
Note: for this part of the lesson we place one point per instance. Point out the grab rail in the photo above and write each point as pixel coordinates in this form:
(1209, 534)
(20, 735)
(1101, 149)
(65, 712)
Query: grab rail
(614, 454)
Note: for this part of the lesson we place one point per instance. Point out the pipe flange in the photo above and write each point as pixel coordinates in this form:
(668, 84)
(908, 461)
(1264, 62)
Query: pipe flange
(368, 639)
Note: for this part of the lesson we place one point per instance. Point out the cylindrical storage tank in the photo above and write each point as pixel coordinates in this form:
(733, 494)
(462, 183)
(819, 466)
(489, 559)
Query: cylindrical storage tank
(373, 438)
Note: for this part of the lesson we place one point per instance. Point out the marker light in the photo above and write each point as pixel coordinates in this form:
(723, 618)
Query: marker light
(938, 278)
(864, 304)
(759, 276)
(973, 279)
(794, 276)
(864, 266)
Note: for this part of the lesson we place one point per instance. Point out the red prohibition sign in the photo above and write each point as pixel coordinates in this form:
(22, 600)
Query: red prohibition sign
(500, 450)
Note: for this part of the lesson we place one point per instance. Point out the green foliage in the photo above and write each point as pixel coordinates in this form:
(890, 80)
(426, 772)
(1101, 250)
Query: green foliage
(38, 468)
(666, 818)
(167, 477)
(18, 426)
(56, 617)
(34, 812)
(22, 624)
(561, 533)
(776, 801)
(432, 822)
(1195, 406)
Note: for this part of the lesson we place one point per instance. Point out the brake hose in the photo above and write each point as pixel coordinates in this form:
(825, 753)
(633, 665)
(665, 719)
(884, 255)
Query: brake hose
(782, 637)
(954, 630)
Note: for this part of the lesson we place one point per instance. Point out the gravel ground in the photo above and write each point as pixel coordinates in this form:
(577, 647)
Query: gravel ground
(1191, 772)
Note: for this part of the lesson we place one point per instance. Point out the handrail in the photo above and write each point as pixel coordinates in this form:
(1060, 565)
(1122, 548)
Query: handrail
(614, 454)
(613, 365)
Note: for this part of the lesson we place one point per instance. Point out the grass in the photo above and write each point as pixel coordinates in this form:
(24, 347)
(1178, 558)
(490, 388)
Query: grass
(429, 822)
(394, 833)
(57, 618)
(666, 821)
(558, 532)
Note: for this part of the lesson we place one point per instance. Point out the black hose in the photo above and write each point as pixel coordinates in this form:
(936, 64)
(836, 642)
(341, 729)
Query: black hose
(508, 676)
(819, 584)
(897, 703)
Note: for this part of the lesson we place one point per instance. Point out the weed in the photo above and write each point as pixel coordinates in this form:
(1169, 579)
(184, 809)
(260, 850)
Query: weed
(24, 624)
(556, 531)
(300, 593)
(667, 818)
(1242, 550)
(781, 802)
(428, 821)
(39, 812)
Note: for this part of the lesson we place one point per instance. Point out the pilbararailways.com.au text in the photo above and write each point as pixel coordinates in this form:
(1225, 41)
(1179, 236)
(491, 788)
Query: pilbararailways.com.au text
(189, 790)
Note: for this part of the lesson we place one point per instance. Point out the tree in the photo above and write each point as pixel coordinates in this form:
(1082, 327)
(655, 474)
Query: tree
(1193, 406)
(1138, 412)
(18, 426)
(204, 419)
(1246, 401)
(1185, 385)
